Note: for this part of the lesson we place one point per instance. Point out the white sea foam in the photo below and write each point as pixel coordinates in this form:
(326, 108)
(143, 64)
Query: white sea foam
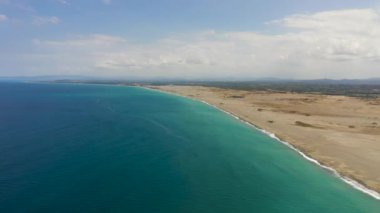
(347, 180)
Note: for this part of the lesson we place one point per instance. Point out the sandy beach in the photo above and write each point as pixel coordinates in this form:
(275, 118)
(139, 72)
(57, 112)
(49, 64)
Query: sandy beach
(338, 131)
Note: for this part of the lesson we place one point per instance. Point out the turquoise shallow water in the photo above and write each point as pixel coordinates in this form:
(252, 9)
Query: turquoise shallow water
(94, 148)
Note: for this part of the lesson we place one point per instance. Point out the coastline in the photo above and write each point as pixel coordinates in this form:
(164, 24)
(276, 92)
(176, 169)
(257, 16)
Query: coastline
(350, 181)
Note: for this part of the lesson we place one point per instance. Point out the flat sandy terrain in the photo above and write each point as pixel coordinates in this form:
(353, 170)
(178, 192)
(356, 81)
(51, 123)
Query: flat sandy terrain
(340, 132)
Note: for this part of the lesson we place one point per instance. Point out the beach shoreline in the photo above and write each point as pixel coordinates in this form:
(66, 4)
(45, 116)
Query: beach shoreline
(358, 184)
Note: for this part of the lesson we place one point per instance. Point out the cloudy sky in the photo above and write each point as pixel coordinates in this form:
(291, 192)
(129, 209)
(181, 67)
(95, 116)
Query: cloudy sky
(191, 39)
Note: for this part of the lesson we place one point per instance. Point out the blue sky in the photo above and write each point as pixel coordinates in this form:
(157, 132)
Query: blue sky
(190, 39)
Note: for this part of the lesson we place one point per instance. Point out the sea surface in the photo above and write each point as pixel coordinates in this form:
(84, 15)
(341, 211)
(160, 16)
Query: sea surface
(99, 148)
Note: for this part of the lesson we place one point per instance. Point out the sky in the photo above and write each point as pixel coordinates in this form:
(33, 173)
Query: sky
(198, 39)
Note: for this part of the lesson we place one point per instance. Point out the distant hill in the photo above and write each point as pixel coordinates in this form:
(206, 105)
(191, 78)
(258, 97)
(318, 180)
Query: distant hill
(76, 78)
(46, 78)
(369, 81)
(366, 88)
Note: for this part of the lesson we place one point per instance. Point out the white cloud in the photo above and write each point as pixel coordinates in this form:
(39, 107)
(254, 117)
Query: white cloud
(39, 21)
(3, 17)
(333, 44)
(339, 35)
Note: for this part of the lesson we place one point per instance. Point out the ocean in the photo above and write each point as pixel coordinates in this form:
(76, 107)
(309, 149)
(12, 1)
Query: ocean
(103, 148)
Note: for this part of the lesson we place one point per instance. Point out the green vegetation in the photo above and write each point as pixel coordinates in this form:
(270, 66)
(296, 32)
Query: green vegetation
(354, 88)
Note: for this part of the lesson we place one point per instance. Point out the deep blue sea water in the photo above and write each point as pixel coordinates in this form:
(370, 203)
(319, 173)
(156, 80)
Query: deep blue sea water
(99, 148)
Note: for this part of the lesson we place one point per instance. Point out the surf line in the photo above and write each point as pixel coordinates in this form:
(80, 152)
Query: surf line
(349, 181)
